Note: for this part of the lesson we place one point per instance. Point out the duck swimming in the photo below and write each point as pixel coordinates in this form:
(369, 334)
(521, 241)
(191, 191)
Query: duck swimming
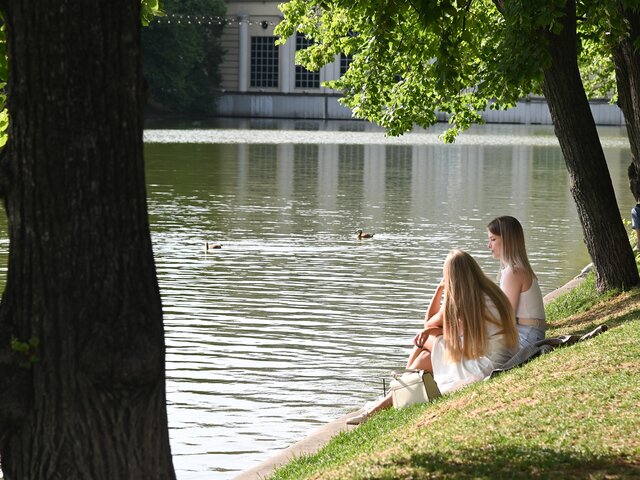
(364, 235)
(211, 246)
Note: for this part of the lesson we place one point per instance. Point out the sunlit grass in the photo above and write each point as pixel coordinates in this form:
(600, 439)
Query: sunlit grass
(580, 299)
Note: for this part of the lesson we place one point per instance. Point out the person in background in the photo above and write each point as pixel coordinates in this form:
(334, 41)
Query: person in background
(635, 222)
(633, 173)
(516, 277)
(467, 334)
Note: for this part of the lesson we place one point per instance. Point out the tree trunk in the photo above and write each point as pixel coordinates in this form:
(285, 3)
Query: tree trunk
(81, 276)
(590, 183)
(627, 68)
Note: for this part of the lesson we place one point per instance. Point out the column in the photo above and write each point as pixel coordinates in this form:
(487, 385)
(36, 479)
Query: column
(287, 52)
(244, 62)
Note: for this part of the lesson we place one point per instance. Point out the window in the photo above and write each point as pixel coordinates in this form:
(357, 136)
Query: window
(305, 78)
(264, 62)
(345, 61)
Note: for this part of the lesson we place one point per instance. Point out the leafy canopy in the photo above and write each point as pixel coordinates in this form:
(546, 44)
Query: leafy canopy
(602, 25)
(413, 58)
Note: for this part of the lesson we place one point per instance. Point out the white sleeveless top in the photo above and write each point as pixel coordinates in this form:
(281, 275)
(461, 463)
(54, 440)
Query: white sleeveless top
(530, 303)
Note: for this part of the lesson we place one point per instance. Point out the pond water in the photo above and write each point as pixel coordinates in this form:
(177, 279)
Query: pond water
(294, 322)
(266, 335)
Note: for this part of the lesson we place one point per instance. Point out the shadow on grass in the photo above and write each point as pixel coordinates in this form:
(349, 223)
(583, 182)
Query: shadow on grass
(516, 462)
(613, 312)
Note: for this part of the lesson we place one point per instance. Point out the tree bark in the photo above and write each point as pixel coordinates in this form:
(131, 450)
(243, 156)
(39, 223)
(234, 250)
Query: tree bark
(81, 276)
(627, 67)
(590, 183)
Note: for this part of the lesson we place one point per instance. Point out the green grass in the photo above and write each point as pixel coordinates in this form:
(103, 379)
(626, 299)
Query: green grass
(570, 414)
(580, 299)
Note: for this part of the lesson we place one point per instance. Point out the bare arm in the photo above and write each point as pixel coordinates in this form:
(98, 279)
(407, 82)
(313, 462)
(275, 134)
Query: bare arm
(432, 319)
(433, 316)
(421, 337)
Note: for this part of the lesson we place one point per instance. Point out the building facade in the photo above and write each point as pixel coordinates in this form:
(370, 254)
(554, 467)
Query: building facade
(261, 79)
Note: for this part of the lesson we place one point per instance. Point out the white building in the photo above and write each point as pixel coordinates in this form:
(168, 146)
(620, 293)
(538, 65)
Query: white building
(260, 79)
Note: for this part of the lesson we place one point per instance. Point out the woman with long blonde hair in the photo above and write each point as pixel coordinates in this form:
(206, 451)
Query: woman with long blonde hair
(516, 277)
(467, 334)
(479, 331)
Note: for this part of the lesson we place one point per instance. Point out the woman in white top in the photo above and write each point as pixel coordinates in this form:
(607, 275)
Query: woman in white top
(466, 335)
(517, 280)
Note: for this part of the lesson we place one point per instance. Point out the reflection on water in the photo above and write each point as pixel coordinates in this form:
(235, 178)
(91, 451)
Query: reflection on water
(266, 335)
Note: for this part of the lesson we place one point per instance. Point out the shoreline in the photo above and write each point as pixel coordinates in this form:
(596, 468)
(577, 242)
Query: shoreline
(321, 436)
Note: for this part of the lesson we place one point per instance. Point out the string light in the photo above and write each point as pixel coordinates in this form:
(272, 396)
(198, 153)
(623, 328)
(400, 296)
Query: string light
(211, 20)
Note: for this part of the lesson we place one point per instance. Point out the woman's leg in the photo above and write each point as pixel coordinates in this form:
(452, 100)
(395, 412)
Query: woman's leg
(422, 361)
(386, 402)
(413, 355)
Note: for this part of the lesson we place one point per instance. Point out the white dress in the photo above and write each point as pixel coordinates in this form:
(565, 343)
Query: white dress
(451, 376)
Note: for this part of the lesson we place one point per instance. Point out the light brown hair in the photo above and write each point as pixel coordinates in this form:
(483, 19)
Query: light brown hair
(514, 252)
(467, 292)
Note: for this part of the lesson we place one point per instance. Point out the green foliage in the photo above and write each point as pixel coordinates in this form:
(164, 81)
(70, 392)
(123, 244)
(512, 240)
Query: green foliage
(602, 25)
(150, 10)
(181, 58)
(27, 350)
(600, 29)
(411, 59)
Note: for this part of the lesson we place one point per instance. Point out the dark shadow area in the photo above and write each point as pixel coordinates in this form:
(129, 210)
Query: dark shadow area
(515, 462)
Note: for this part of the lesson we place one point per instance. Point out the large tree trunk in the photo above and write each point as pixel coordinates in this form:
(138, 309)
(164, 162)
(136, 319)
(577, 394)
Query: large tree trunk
(590, 183)
(81, 276)
(627, 67)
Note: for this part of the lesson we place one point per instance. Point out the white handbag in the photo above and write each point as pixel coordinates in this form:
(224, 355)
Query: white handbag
(413, 386)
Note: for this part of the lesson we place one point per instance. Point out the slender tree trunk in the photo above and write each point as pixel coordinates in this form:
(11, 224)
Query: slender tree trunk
(590, 183)
(81, 276)
(627, 67)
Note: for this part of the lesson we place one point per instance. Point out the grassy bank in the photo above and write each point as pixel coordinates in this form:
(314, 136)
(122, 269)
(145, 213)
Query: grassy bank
(573, 413)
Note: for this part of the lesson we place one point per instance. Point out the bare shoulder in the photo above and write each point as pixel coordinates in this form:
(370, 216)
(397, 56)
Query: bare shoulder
(517, 277)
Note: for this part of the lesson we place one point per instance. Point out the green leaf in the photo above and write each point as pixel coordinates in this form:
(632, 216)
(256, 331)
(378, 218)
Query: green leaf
(150, 10)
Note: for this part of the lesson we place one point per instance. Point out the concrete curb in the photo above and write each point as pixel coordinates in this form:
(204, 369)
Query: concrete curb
(570, 285)
(320, 437)
(311, 444)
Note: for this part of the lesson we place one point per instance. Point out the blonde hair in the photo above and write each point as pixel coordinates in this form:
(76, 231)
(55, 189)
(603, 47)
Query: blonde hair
(467, 292)
(514, 252)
